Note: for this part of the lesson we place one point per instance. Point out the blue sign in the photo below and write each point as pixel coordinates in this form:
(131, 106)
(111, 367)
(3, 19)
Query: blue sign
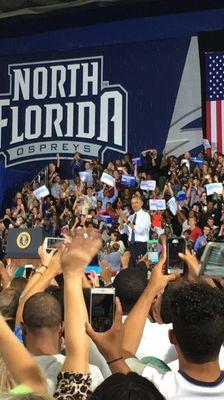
(137, 161)
(128, 180)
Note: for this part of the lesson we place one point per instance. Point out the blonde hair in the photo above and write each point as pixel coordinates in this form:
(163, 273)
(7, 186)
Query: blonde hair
(6, 381)
(26, 396)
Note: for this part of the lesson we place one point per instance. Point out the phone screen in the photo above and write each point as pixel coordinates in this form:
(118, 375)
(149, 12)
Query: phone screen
(174, 262)
(53, 243)
(102, 309)
(28, 271)
(213, 260)
(152, 251)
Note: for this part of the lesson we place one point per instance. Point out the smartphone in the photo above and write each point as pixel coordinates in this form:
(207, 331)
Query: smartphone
(28, 270)
(212, 260)
(102, 302)
(175, 245)
(152, 251)
(96, 268)
(52, 243)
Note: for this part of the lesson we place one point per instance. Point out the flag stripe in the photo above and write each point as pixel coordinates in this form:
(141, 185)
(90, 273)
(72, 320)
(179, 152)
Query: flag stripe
(219, 125)
(222, 112)
(208, 121)
(213, 126)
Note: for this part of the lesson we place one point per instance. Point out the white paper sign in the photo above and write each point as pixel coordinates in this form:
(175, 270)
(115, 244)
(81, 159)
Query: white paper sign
(172, 204)
(185, 161)
(108, 179)
(41, 192)
(83, 176)
(206, 144)
(157, 204)
(148, 185)
(214, 188)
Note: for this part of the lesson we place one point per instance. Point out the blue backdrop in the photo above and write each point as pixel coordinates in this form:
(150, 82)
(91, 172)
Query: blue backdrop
(145, 56)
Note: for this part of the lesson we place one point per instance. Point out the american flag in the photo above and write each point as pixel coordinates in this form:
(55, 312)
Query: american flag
(214, 80)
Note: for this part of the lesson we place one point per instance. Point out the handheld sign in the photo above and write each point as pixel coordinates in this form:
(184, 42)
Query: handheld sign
(212, 188)
(148, 185)
(128, 180)
(172, 205)
(106, 218)
(157, 204)
(83, 176)
(41, 192)
(108, 179)
(137, 161)
(206, 144)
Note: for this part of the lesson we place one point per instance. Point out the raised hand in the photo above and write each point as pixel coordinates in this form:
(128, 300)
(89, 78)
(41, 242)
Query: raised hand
(78, 254)
(109, 343)
(192, 264)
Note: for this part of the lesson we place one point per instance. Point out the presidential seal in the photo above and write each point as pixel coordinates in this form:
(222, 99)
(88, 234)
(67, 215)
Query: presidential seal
(23, 240)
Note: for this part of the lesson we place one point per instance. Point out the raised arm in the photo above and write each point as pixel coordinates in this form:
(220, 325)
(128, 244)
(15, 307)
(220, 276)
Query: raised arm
(4, 276)
(58, 160)
(20, 363)
(135, 322)
(82, 249)
(39, 282)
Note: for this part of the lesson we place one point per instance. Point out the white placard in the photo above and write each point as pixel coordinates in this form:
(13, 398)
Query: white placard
(108, 179)
(41, 192)
(185, 161)
(157, 204)
(212, 188)
(148, 185)
(84, 176)
(172, 204)
(206, 144)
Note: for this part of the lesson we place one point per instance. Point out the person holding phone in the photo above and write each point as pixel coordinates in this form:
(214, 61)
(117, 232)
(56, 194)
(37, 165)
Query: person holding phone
(137, 226)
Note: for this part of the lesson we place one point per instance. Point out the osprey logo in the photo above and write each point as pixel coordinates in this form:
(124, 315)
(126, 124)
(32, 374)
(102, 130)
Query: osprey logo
(61, 107)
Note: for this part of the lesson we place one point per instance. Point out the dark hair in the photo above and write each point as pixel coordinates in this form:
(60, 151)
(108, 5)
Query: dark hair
(42, 310)
(126, 387)
(9, 301)
(58, 293)
(18, 283)
(198, 321)
(129, 285)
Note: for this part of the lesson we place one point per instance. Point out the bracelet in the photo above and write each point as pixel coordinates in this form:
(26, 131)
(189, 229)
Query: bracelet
(113, 361)
(41, 265)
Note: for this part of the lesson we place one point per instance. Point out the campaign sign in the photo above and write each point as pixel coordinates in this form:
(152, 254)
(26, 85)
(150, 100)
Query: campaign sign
(212, 188)
(128, 180)
(137, 161)
(172, 205)
(197, 160)
(206, 144)
(148, 185)
(106, 218)
(108, 179)
(181, 196)
(41, 192)
(157, 204)
(83, 176)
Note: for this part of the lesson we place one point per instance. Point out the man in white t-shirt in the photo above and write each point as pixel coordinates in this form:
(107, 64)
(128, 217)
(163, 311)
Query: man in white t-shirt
(42, 331)
(198, 333)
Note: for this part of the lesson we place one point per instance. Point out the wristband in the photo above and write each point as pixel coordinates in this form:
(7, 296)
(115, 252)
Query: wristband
(41, 265)
(37, 272)
(115, 360)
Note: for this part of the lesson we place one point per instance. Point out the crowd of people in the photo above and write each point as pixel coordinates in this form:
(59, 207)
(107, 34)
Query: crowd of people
(166, 341)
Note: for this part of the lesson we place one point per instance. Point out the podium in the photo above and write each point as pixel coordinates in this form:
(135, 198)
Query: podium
(24, 243)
